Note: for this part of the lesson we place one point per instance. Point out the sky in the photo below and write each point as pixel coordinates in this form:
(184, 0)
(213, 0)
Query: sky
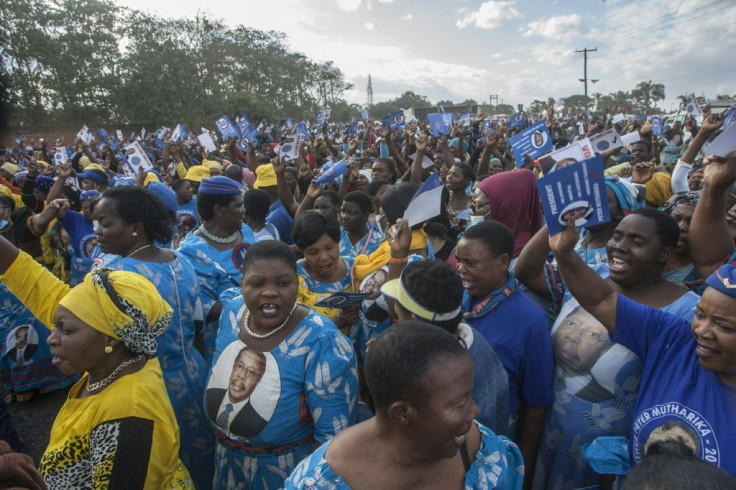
(521, 50)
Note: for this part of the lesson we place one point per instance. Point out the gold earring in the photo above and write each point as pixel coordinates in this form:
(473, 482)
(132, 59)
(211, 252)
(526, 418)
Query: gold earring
(108, 349)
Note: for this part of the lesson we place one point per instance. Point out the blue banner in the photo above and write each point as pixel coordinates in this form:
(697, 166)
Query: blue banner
(226, 128)
(576, 191)
(395, 120)
(533, 141)
(437, 124)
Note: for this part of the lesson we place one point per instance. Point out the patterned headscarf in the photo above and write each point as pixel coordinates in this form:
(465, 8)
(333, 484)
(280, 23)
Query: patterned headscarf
(122, 305)
(686, 198)
(626, 194)
(43, 184)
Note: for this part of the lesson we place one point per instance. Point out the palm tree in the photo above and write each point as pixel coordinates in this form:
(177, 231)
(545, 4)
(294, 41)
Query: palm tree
(648, 92)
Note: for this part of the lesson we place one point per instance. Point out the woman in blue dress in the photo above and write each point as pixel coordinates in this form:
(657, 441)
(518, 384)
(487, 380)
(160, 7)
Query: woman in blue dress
(284, 378)
(130, 220)
(215, 248)
(323, 272)
(597, 380)
(423, 434)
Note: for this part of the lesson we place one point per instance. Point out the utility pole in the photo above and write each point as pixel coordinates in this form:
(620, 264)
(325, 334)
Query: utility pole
(585, 52)
(370, 91)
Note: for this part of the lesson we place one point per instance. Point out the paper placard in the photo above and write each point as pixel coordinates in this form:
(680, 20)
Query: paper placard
(226, 128)
(630, 138)
(289, 148)
(618, 118)
(533, 141)
(561, 158)
(136, 158)
(724, 144)
(437, 124)
(207, 142)
(577, 190)
(426, 161)
(606, 140)
(60, 155)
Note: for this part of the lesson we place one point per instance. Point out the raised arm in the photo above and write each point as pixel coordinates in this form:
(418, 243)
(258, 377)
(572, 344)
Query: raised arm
(56, 192)
(593, 293)
(710, 239)
(529, 268)
(279, 166)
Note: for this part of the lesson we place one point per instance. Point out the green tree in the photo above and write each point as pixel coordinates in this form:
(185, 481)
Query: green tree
(647, 92)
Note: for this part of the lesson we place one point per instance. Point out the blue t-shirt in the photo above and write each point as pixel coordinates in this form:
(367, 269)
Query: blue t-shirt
(675, 389)
(279, 217)
(518, 332)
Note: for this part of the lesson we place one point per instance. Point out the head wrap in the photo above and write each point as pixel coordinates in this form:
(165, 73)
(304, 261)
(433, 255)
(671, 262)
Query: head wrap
(84, 161)
(11, 168)
(265, 176)
(220, 185)
(686, 198)
(94, 174)
(167, 196)
(626, 194)
(210, 164)
(724, 280)
(43, 184)
(42, 163)
(659, 189)
(88, 195)
(515, 203)
(122, 305)
(365, 173)
(150, 177)
(366, 264)
(197, 172)
(395, 289)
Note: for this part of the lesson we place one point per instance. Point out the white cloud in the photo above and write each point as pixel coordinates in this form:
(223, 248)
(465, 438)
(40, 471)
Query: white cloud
(369, 26)
(496, 55)
(489, 15)
(385, 1)
(561, 27)
(407, 17)
(349, 5)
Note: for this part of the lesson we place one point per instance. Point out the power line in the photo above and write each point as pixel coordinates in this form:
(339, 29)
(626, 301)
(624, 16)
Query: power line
(661, 21)
(664, 25)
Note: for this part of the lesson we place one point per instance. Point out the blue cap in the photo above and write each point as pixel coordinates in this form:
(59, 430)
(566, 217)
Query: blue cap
(219, 186)
(93, 174)
(88, 195)
(167, 196)
(724, 280)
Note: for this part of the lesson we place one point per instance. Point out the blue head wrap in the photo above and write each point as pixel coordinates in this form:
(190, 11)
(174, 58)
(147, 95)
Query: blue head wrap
(219, 186)
(43, 184)
(167, 196)
(724, 280)
(88, 195)
(626, 194)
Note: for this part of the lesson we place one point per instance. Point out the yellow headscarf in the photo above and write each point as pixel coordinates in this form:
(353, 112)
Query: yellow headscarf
(122, 305)
(366, 264)
(659, 189)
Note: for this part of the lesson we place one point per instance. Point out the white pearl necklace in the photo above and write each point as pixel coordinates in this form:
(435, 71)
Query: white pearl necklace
(217, 239)
(256, 335)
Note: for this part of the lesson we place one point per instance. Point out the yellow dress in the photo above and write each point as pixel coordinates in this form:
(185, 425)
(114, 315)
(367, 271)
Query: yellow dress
(126, 436)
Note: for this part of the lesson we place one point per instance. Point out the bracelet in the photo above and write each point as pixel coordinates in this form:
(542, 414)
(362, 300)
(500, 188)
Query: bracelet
(395, 261)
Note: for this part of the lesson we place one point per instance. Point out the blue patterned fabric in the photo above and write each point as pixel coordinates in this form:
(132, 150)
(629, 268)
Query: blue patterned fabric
(216, 271)
(307, 391)
(183, 367)
(28, 368)
(596, 387)
(365, 246)
(497, 464)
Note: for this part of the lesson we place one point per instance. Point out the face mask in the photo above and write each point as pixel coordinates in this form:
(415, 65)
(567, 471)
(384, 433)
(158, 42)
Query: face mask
(3, 224)
(474, 220)
(95, 224)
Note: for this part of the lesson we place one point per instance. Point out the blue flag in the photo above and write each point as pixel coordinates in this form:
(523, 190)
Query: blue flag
(226, 128)
(657, 126)
(323, 116)
(334, 171)
(302, 128)
(365, 114)
(437, 124)
(114, 145)
(516, 120)
(179, 133)
(159, 144)
(442, 109)
(427, 201)
(729, 117)
(395, 120)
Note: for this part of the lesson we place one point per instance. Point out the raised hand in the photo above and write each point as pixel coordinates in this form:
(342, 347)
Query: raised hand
(565, 241)
(399, 239)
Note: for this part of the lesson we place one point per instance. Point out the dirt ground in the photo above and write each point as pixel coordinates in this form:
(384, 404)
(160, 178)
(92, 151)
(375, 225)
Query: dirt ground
(33, 420)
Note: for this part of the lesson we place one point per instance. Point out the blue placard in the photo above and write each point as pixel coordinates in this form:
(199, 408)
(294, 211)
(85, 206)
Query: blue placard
(383, 148)
(577, 190)
(343, 300)
(102, 134)
(533, 141)
(516, 120)
(365, 114)
(729, 117)
(449, 119)
(437, 124)
(302, 128)
(226, 128)
(352, 129)
(394, 120)
(657, 126)
(242, 122)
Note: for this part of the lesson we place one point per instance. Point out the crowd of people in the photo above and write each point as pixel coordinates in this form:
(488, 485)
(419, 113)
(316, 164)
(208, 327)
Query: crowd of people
(242, 319)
